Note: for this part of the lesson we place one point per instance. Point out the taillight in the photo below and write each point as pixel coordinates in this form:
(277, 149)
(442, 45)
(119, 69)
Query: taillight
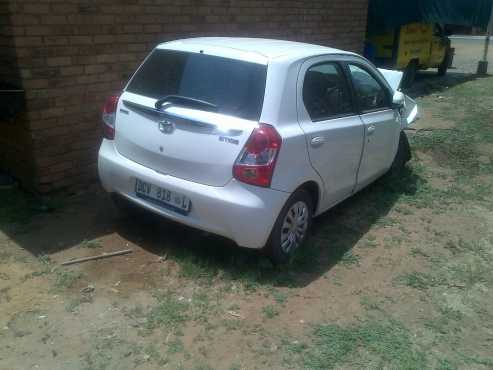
(109, 116)
(257, 160)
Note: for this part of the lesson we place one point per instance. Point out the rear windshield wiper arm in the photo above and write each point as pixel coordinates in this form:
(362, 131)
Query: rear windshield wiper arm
(179, 99)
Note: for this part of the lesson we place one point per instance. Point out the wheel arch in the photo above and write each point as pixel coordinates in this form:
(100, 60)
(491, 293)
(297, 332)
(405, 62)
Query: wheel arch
(313, 189)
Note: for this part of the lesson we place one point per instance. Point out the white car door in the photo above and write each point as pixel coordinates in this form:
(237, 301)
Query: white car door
(333, 129)
(382, 123)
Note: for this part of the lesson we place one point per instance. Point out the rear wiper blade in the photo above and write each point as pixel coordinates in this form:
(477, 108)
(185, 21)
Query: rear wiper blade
(180, 99)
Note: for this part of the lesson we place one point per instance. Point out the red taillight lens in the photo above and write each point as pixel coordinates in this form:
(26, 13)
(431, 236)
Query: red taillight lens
(109, 116)
(256, 162)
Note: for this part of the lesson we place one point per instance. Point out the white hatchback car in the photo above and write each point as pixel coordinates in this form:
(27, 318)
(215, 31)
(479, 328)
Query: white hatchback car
(251, 138)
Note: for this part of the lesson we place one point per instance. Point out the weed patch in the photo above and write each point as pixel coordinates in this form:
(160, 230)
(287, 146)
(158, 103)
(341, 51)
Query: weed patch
(270, 311)
(66, 279)
(169, 313)
(91, 244)
(419, 280)
(349, 259)
(390, 343)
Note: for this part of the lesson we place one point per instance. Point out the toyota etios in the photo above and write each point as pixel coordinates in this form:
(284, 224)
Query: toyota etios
(252, 138)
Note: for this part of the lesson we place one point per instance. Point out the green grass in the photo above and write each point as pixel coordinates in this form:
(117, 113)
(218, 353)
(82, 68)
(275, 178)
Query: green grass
(279, 296)
(418, 252)
(198, 269)
(176, 346)
(170, 313)
(444, 364)
(349, 259)
(270, 311)
(62, 278)
(482, 248)
(369, 303)
(65, 279)
(152, 353)
(457, 148)
(419, 280)
(477, 360)
(370, 344)
(202, 307)
(470, 272)
(442, 323)
(73, 304)
(103, 349)
(91, 244)
(371, 242)
(470, 265)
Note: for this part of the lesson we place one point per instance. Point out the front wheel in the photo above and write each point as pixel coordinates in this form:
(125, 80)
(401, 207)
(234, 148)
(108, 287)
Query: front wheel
(446, 62)
(403, 154)
(291, 228)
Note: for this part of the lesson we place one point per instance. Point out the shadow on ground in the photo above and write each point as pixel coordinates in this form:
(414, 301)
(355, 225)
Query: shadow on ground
(335, 233)
(429, 82)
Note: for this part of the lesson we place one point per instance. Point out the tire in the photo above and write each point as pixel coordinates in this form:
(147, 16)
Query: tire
(283, 242)
(443, 67)
(410, 74)
(403, 154)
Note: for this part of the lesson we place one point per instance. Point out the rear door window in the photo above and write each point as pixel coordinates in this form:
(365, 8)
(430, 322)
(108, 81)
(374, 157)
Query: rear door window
(325, 92)
(235, 87)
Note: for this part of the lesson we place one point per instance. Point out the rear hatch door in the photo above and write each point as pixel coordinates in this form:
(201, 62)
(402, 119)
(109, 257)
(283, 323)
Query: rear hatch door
(197, 142)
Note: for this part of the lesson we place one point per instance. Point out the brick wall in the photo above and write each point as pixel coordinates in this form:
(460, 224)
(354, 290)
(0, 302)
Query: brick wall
(71, 54)
(15, 139)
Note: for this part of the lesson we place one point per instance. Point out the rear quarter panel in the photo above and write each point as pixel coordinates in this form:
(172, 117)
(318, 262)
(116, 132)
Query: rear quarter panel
(293, 167)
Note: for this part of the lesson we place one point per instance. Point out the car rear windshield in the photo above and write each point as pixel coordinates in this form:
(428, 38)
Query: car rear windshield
(235, 87)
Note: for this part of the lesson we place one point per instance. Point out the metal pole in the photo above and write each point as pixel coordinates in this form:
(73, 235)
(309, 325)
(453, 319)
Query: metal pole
(483, 64)
(486, 46)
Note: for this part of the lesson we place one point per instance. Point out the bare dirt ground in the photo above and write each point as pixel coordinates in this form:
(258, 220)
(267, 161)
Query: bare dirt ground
(397, 277)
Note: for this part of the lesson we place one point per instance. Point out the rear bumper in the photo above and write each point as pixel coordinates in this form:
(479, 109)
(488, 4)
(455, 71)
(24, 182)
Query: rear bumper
(243, 213)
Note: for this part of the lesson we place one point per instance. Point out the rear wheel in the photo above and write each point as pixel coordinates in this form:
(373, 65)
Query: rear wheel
(291, 228)
(410, 73)
(443, 67)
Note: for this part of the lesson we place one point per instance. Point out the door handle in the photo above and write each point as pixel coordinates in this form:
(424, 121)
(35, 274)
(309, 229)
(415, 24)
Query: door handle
(371, 130)
(317, 141)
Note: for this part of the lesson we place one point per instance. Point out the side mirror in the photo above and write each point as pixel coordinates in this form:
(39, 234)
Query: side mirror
(399, 99)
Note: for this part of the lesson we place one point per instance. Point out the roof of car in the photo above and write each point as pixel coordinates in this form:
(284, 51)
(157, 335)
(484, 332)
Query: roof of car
(267, 49)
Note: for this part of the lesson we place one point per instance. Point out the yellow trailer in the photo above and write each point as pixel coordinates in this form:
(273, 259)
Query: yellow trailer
(411, 47)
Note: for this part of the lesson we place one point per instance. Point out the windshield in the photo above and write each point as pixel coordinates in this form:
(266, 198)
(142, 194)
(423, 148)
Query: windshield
(235, 87)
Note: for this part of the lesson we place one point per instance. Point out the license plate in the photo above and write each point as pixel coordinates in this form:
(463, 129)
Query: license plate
(162, 196)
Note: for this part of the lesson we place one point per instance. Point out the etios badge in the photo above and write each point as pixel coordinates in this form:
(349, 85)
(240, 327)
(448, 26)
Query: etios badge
(166, 127)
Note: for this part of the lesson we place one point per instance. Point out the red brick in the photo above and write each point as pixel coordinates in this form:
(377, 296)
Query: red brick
(78, 40)
(98, 68)
(36, 8)
(59, 61)
(28, 41)
(72, 70)
(53, 19)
